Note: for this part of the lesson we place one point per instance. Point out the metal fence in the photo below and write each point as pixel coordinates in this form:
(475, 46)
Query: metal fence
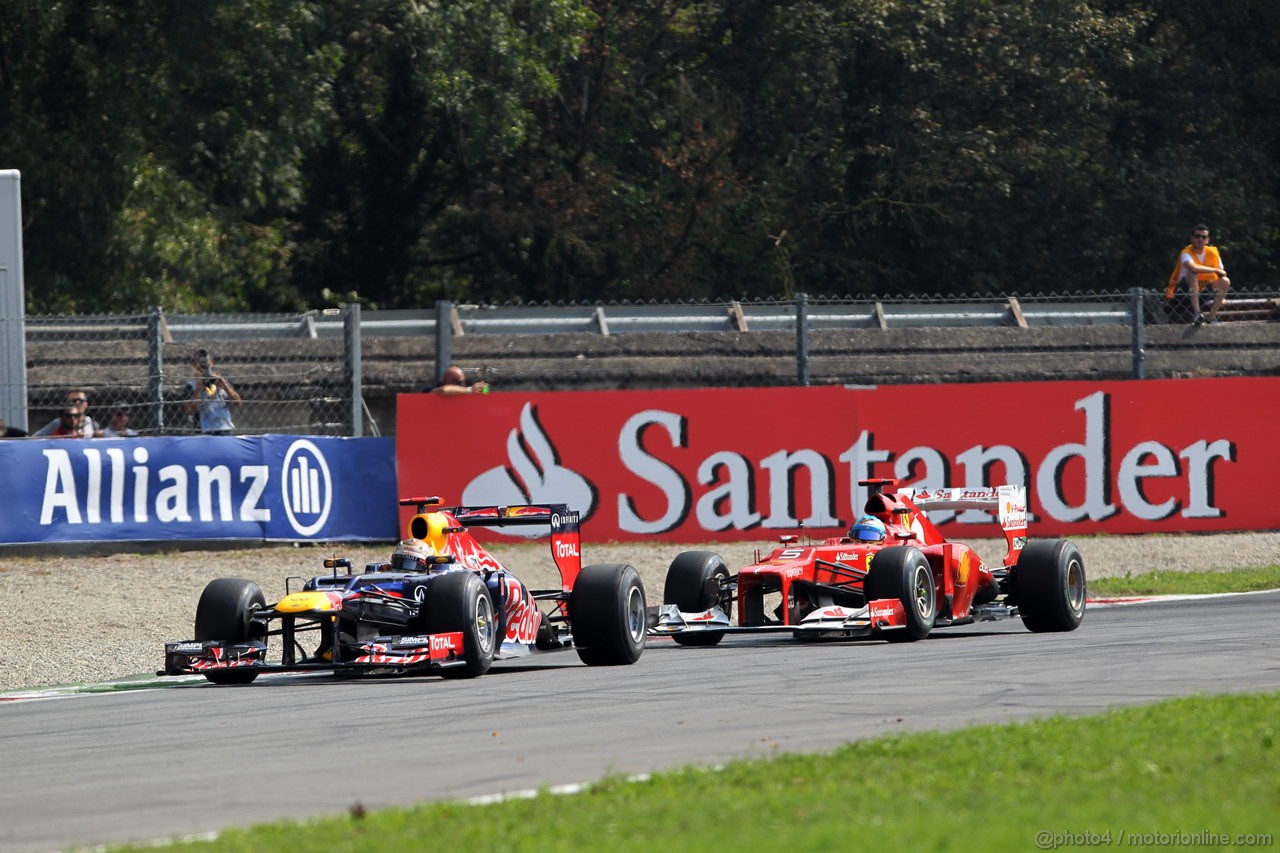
(336, 372)
(290, 378)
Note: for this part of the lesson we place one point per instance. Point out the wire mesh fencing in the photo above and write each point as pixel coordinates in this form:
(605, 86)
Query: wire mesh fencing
(148, 373)
(337, 372)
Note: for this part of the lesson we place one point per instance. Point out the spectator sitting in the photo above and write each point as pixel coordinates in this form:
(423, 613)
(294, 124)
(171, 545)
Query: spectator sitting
(1200, 268)
(117, 425)
(454, 382)
(78, 400)
(7, 431)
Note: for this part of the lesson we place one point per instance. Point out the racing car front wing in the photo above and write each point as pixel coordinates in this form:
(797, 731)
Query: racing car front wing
(832, 621)
(397, 654)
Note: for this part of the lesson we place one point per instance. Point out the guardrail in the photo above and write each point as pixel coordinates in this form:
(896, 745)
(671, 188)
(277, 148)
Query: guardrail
(320, 371)
(729, 316)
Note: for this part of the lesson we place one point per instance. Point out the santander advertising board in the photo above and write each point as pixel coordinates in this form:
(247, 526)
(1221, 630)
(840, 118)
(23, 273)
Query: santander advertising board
(729, 464)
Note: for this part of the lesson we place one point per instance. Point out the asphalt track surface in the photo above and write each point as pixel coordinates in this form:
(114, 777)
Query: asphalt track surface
(192, 758)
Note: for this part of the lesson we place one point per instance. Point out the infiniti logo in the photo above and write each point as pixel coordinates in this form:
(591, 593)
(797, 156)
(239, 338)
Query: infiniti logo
(306, 487)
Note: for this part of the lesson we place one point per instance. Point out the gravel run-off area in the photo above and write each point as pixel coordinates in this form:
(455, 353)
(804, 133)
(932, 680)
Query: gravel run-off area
(97, 617)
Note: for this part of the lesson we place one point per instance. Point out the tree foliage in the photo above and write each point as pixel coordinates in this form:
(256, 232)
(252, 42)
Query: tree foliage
(290, 154)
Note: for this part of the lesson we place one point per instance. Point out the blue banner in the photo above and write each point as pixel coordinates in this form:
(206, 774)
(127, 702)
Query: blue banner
(268, 488)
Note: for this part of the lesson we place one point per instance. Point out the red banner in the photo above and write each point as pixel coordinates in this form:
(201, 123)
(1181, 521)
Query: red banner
(727, 464)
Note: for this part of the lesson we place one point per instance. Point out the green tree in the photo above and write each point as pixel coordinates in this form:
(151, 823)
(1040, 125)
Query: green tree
(159, 151)
(430, 100)
(284, 154)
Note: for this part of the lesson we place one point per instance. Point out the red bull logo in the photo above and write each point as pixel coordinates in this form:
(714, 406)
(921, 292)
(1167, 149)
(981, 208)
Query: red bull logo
(522, 614)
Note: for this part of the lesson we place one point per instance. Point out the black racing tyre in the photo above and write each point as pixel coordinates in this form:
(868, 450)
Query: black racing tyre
(607, 615)
(902, 572)
(694, 584)
(225, 612)
(459, 601)
(1050, 586)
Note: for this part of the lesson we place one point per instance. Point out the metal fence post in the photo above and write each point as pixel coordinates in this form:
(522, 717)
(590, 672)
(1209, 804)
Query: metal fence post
(1139, 333)
(13, 314)
(802, 340)
(444, 338)
(155, 366)
(353, 365)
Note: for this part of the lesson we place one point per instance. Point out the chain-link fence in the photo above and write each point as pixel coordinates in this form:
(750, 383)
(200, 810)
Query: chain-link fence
(338, 372)
(288, 378)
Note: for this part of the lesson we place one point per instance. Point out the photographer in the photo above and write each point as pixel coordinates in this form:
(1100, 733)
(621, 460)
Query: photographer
(210, 396)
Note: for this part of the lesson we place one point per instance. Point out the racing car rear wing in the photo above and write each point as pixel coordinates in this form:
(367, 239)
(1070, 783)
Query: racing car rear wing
(566, 539)
(1009, 503)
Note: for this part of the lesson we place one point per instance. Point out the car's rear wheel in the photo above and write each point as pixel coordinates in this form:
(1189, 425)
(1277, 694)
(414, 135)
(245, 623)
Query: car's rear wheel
(903, 573)
(1050, 586)
(459, 602)
(607, 615)
(225, 612)
(694, 584)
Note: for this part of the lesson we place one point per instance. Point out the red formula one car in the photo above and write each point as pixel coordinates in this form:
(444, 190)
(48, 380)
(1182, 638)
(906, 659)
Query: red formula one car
(894, 577)
(443, 604)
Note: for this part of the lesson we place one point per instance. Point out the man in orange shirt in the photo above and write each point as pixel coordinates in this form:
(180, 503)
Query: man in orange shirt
(1200, 266)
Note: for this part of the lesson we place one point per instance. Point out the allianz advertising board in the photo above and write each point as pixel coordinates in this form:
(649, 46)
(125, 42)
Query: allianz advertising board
(267, 488)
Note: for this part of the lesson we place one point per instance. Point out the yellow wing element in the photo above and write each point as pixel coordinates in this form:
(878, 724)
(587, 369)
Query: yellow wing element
(304, 602)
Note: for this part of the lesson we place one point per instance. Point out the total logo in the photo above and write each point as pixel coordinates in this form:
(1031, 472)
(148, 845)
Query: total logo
(306, 487)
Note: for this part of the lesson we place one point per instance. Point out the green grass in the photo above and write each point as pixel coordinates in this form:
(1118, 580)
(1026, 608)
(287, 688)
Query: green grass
(1195, 765)
(1187, 583)
(1198, 765)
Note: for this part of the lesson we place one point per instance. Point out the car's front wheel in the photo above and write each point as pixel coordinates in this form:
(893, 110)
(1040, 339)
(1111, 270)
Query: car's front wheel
(695, 583)
(225, 612)
(459, 602)
(607, 615)
(903, 573)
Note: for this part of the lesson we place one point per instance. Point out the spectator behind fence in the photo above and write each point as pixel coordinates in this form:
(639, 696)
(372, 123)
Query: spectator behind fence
(70, 424)
(1200, 266)
(117, 423)
(74, 400)
(7, 431)
(454, 382)
(209, 396)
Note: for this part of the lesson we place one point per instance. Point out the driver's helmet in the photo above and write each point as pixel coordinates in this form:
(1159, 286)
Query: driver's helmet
(411, 555)
(868, 529)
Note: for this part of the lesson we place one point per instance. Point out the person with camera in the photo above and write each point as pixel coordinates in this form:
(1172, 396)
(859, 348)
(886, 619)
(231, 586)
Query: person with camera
(209, 396)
